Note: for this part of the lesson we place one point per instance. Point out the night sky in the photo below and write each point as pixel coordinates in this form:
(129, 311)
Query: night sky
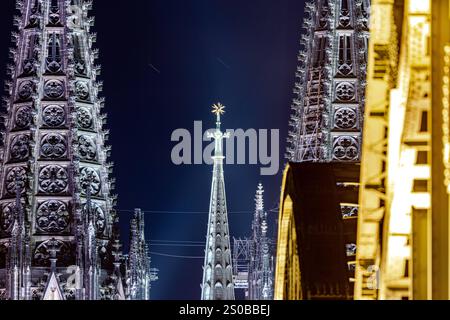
(164, 63)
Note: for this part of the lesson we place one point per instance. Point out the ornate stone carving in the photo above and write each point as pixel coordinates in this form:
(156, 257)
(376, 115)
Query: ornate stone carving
(53, 179)
(345, 118)
(53, 60)
(100, 218)
(344, 68)
(52, 216)
(25, 90)
(29, 66)
(42, 253)
(345, 91)
(53, 146)
(7, 216)
(87, 148)
(3, 258)
(20, 148)
(70, 293)
(36, 293)
(54, 116)
(54, 65)
(32, 56)
(54, 89)
(345, 148)
(89, 178)
(78, 54)
(74, 17)
(323, 14)
(84, 118)
(23, 117)
(54, 18)
(344, 16)
(33, 20)
(82, 90)
(16, 177)
(345, 56)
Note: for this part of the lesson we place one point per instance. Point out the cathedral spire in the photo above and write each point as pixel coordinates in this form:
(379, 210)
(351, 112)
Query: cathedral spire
(55, 183)
(327, 110)
(260, 268)
(217, 271)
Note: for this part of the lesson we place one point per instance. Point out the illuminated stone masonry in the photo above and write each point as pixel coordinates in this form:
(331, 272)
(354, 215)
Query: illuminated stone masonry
(217, 283)
(328, 108)
(57, 224)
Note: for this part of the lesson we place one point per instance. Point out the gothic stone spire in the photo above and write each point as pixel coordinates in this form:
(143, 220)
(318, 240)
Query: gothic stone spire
(217, 271)
(261, 267)
(329, 104)
(139, 273)
(53, 156)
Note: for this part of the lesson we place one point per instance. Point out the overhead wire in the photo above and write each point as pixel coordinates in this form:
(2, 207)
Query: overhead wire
(175, 256)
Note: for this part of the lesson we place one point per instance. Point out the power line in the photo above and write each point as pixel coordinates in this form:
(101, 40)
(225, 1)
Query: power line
(177, 245)
(178, 212)
(175, 256)
(181, 241)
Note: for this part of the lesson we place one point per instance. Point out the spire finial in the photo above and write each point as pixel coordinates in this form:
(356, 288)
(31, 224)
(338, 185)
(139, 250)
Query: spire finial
(259, 198)
(218, 109)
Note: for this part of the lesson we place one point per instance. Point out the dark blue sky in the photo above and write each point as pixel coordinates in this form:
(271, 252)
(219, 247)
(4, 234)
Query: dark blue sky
(242, 53)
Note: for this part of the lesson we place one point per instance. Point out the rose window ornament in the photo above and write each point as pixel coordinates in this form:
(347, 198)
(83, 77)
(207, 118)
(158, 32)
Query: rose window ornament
(16, 180)
(54, 89)
(25, 90)
(84, 118)
(346, 148)
(53, 146)
(52, 216)
(53, 179)
(82, 90)
(90, 178)
(345, 118)
(20, 148)
(54, 116)
(345, 91)
(87, 148)
(23, 117)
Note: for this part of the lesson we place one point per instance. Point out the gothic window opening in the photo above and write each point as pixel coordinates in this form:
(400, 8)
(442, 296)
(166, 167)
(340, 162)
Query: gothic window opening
(218, 288)
(54, 61)
(33, 20)
(365, 8)
(54, 17)
(345, 61)
(323, 13)
(344, 16)
(80, 65)
(31, 57)
(319, 51)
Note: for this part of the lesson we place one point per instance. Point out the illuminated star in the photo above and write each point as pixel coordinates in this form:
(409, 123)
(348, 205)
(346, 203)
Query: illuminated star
(218, 109)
